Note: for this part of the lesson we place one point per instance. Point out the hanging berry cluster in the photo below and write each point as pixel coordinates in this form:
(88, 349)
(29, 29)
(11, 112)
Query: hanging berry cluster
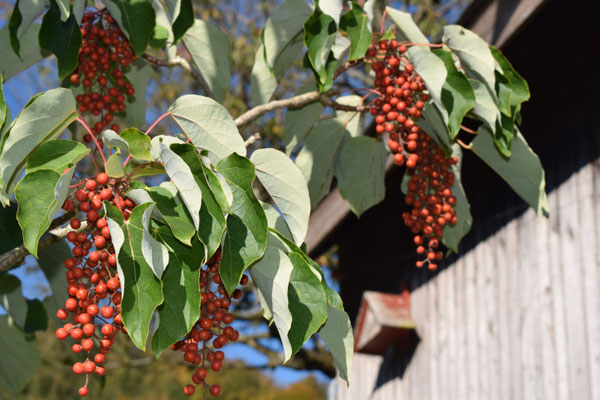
(212, 331)
(396, 110)
(93, 282)
(104, 59)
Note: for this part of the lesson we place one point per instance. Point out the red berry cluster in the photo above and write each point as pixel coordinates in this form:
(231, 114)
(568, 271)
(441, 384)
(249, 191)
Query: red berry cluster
(104, 58)
(94, 286)
(430, 195)
(401, 102)
(212, 331)
(396, 110)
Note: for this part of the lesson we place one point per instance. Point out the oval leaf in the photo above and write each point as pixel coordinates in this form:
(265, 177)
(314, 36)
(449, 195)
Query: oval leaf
(286, 185)
(155, 253)
(136, 18)
(208, 125)
(183, 179)
(209, 48)
(40, 195)
(361, 173)
(181, 307)
(141, 289)
(42, 119)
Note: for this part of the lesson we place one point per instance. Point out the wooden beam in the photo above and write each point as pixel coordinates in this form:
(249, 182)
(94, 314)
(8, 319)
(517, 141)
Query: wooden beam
(498, 21)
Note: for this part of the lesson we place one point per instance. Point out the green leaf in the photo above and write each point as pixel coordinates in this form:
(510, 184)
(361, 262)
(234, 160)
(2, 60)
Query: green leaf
(333, 8)
(271, 277)
(407, 29)
(307, 302)
(522, 171)
(356, 24)
(12, 300)
(37, 317)
(519, 89)
(337, 335)
(281, 32)
(262, 80)
(40, 195)
(208, 125)
(51, 262)
(138, 144)
(30, 51)
(141, 289)
(136, 18)
(299, 121)
(350, 119)
(182, 177)
(155, 253)
(361, 173)
(454, 234)
(160, 35)
(173, 211)
(21, 19)
(56, 155)
(181, 290)
(139, 75)
(319, 36)
(114, 140)
(20, 357)
(63, 39)
(3, 107)
(209, 48)
(433, 124)
(486, 110)
(276, 221)
(286, 186)
(319, 155)
(473, 52)
(65, 9)
(43, 118)
(183, 19)
(458, 97)
(212, 219)
(114, 165)
(246, 237)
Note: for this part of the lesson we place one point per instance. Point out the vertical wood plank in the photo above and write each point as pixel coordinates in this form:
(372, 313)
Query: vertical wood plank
(546, 332)
(587, 207)
(444, 366)
(574, 307)
(480, 267)
(558, 298)
(432, 337)
(461, 328)
(501, 259)
(470, 316)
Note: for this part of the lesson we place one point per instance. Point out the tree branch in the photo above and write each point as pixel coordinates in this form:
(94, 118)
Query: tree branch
(183, 63)
(296, 101)
(15, 257)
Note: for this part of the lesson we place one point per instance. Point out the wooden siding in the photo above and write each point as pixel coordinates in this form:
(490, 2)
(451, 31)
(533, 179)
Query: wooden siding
(516, 317)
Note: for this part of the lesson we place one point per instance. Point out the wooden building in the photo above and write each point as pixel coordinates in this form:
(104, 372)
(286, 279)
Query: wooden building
(516, 314)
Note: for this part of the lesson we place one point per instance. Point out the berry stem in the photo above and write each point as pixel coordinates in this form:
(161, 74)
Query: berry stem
(471, 131)
(87, 128)
(382, 22)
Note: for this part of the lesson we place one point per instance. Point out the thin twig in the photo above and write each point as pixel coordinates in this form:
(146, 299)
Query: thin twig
(342, 107)
(296, 101)
(15, 257)
(252, 139)
(183, 63)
